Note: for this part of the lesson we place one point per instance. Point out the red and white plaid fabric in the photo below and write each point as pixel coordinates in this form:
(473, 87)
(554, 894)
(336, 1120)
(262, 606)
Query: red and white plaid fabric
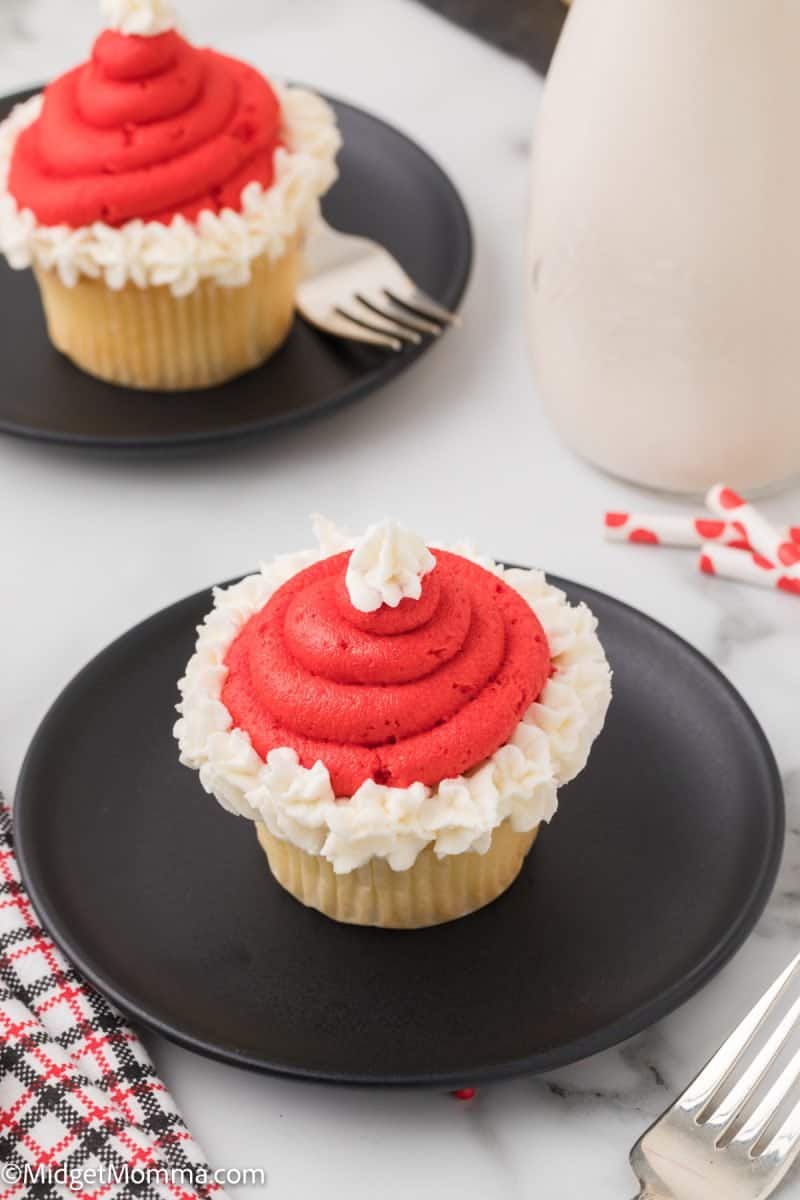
(79, 1096)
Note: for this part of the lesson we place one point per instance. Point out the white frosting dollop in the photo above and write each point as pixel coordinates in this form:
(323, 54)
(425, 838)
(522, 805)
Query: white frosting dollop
(143, 18)
(517, 783)
(218, 246)
(387, 565)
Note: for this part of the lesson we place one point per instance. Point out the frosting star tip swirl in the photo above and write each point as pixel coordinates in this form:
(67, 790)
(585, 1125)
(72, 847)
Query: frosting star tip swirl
(142, 18)
(387, 565)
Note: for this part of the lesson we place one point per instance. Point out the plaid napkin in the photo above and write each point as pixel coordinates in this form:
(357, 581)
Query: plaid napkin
(82, 1111)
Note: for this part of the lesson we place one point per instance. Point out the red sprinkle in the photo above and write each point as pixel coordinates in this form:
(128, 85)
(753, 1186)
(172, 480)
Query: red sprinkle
(787, 584)
(762, 562)
(615, 519)
(465, 1094)
(794, 534)
(645, 536)
(706, 565)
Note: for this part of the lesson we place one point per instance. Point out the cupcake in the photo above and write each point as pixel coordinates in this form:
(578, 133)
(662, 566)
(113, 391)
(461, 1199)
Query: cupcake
(160, 193)
(395, 719)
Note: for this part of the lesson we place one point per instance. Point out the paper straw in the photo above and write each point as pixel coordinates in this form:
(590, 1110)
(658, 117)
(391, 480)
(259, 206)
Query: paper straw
(660, 530)
(746, 567)
(762, 536)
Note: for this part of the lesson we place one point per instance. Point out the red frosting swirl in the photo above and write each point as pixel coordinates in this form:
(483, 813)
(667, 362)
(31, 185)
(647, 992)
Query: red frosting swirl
(421, 692)
(148, 128)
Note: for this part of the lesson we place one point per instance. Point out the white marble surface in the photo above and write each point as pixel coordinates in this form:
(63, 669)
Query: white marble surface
(92, 543)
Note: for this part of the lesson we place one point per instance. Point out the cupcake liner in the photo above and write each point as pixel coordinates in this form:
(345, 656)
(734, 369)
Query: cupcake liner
(149, 338)
(432, 891)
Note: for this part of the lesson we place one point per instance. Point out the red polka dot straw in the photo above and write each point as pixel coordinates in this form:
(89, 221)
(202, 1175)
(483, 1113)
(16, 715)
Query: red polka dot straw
(747, 567)
(658, 529)
(778, 546)
(737, 542)
(80, 1101)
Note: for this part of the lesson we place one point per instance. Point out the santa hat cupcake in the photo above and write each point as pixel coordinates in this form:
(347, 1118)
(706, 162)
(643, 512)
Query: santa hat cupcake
(160, 192)
(395, 719)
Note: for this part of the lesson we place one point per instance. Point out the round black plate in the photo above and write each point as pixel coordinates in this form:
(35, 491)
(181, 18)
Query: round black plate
(660, 860)
(389, 189)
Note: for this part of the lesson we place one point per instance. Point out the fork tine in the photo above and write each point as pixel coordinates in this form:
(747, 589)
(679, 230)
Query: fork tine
(420, 302)
(738, 1096)
(383, 322)
(785, 1145)
(756, 1125)
(379, 336)
(714, 1074)
(344, 327)
(402, 316)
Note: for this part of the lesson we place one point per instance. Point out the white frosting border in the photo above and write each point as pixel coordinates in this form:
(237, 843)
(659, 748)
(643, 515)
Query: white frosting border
(179, 255)
(518, 782)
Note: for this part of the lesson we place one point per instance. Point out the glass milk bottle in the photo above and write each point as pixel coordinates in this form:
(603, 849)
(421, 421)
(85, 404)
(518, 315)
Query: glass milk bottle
(664, 241)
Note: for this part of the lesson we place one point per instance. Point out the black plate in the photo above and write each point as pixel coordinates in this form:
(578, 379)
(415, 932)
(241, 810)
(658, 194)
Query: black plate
(389, 189)
(658, 864)
(529, 31)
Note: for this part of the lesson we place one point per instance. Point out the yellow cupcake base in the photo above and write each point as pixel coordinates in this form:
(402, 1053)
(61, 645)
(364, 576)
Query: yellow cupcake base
(148, 338)
(430, 892)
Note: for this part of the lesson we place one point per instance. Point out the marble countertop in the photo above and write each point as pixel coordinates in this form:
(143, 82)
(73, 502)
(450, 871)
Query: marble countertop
(92, 543)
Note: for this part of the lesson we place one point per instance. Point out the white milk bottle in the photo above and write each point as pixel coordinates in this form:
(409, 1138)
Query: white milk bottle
(664, 241)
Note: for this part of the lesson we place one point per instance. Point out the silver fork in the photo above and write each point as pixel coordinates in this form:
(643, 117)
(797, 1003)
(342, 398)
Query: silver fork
(353, 288)
(701, 1148)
